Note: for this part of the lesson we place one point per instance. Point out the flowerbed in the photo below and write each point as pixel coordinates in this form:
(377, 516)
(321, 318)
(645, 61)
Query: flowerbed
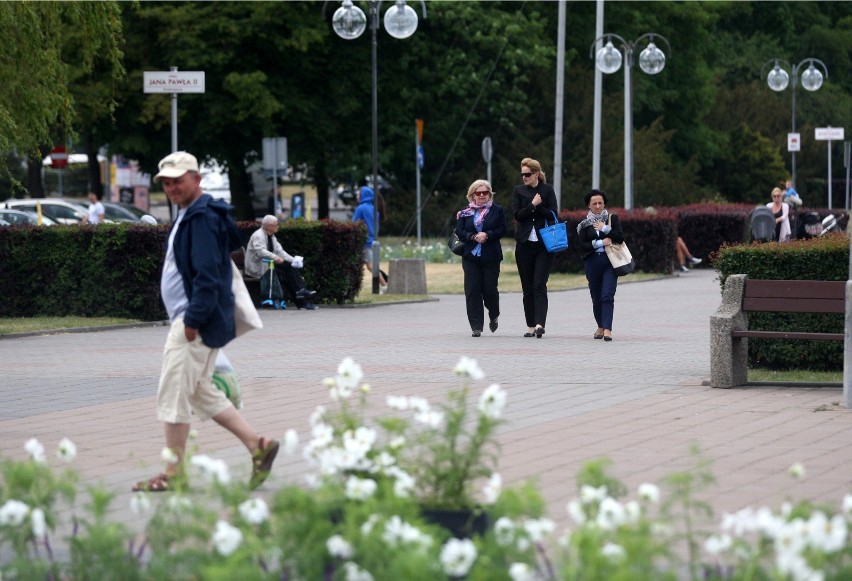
(361, 515)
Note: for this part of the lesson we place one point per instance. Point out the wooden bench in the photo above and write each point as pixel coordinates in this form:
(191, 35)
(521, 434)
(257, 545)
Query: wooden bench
(252, 283)
(729, 332)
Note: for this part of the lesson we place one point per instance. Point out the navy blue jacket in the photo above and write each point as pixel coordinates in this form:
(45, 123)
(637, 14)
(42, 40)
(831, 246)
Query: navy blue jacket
(494, 225)
(202, 247)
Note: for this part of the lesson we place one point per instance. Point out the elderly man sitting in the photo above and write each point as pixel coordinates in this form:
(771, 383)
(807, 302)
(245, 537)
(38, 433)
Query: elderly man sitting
(264, 245)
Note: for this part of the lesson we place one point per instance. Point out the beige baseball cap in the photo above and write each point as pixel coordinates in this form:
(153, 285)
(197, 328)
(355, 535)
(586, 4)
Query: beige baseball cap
(176, 164)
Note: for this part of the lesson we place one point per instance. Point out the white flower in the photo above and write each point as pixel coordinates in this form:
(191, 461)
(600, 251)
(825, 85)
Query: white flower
(216, 469)
(398, 531)
(613, 552)
(38, 523)
(717, 544)
(317, 416)
(504, 531)
(13, 512)
(355, 573)
(576, 511)
(590, 494)
(611, 514)
(403, 483)
(360, 488)
(192, 434)
(254, 511)
(492, 402)
(492, 488)
(797, 470)
(322, 435)
(827, 535)
(349, 375)
(537, 528)
(522, 572)
(339, 547)
(649, 493)
(397, 443)
(368, 525)
(66, 450)
(226, 538)
(565, 540)
(432, 418)
(457, 557)
(418, 404)
(359, 441)
(140, 503)
(397, 402)
(467, 367)
(168, 455)
(365, 388)
(790, 539)
(36, 450)
(291, 442)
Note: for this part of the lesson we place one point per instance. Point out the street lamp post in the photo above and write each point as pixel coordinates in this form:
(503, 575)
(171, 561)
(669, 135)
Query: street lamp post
(778, 79)
(608, 59)
(349, 22)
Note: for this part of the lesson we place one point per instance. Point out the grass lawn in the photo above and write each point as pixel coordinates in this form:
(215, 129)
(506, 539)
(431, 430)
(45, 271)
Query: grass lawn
(29, 325)
(795, 375)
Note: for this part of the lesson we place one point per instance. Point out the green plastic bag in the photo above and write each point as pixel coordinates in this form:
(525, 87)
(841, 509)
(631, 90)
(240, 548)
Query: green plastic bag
(225, 380)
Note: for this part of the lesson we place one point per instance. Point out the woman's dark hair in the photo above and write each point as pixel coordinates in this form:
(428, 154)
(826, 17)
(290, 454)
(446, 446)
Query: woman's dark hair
(588, 197)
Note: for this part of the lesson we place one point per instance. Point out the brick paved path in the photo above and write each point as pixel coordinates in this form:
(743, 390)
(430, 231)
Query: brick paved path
(638, 400)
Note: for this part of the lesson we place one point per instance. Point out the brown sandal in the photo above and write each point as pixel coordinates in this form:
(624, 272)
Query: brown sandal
(159, 483)
(262, 460)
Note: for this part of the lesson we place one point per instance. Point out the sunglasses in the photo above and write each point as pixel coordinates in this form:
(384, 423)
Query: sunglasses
(485, 193)
(526, 174)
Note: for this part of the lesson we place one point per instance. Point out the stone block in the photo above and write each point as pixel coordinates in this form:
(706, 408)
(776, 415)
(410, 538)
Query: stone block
(407, 276)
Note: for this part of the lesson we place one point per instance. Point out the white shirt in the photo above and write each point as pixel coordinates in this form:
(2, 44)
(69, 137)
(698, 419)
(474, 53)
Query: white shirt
(171, 283)
(96, 210)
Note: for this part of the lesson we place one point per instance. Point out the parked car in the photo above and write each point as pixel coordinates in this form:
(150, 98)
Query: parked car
(22, 218)
(60, 211)
(119, 212)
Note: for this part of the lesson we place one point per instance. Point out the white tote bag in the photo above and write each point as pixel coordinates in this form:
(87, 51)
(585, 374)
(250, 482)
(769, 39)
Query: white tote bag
(245, 315)
(620, 257)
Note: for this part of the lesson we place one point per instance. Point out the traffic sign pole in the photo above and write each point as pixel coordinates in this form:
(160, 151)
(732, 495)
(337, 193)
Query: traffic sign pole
(829, 134)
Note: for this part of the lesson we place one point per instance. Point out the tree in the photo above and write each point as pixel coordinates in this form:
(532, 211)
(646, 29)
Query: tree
(36, 103)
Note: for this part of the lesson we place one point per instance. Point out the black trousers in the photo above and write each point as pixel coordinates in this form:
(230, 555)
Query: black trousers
(291, 281)
(480, 290)
(534, 262)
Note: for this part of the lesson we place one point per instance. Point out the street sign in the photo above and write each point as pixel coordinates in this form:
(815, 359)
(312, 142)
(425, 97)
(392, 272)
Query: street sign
(173, 82)
(58, 158)
(487, 150)
(829, 134)
(794, 142)
(275, 154)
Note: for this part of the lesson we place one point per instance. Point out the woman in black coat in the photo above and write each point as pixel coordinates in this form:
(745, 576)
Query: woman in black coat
(532, 204)
(482, 224)
(597, 231)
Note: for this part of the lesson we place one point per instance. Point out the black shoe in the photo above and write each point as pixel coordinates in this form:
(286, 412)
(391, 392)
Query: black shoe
(476, 334)
(493, 325)
(539, 331)
(306, 294)
(307, 305)
(607, 337)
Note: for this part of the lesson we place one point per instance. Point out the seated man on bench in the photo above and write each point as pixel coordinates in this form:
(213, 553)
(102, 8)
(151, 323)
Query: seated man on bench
(264, 245)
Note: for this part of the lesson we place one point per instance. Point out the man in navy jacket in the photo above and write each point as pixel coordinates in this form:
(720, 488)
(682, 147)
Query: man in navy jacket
(196, 290)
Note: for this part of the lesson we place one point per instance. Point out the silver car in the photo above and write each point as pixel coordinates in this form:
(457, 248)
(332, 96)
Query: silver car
(23, 218)
(59, 211)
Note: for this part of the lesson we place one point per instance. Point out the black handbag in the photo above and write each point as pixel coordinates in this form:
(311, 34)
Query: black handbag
(456, 244)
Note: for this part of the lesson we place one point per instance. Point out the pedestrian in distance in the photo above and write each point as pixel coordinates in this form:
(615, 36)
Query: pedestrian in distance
(598, 230)
(532, 203)
(96, 213)
(364, 212)
(196, 291)
(781, 211)
(684, 256)
(481, 225)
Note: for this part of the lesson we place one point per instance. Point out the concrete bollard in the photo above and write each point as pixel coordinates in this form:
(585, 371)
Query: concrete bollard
(407, 276)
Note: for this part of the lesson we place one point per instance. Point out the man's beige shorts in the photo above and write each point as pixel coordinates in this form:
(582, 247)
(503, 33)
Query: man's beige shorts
(186, 380)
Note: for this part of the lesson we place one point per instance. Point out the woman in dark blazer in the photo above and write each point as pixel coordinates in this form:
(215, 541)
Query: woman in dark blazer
(597, 231)
(482, 224)
(532, 203)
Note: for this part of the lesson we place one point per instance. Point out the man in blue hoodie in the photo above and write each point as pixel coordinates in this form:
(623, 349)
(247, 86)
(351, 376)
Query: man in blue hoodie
(196, 290)
(364, 212)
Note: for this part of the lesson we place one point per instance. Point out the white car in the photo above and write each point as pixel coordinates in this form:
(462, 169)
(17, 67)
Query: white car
(23, 218)
(60, 211)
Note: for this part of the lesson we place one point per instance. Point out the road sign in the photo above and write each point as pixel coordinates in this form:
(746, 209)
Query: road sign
(58, 158)
(487, 150)
(794, 142)
(275, 154)
(829, 134)
(173, 82)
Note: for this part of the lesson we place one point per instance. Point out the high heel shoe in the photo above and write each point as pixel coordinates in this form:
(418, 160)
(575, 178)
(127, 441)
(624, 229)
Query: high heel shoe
(539, 331)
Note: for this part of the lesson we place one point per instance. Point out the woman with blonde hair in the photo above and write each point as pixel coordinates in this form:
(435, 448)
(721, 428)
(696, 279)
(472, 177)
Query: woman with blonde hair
(781, 211)
(481, 225)
(532, 204)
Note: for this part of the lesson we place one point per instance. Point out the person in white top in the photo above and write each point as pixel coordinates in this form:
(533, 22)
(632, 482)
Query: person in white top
(96, 210)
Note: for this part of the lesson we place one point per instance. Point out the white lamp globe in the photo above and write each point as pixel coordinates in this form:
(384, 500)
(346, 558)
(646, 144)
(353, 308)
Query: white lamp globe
(400, 20)
(777, 79)
(812, 79)
(349, 22)
(608, 59)
(652, 60)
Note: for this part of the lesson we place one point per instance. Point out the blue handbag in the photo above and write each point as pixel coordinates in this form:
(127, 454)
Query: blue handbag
(554, 236)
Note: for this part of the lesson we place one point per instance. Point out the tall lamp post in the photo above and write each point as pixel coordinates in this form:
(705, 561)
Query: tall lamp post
(778, 79)
(608, 59)
(349, 22)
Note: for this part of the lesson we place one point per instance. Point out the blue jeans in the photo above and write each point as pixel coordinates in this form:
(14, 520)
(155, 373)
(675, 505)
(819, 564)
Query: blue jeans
(602, 285)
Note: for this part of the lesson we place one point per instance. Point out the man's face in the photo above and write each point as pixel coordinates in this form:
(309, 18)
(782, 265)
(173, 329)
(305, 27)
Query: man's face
(270, 229)
(183, 190)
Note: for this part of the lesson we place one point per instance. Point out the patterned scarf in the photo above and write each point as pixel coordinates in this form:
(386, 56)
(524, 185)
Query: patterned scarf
(471, 210)
(591, 218)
